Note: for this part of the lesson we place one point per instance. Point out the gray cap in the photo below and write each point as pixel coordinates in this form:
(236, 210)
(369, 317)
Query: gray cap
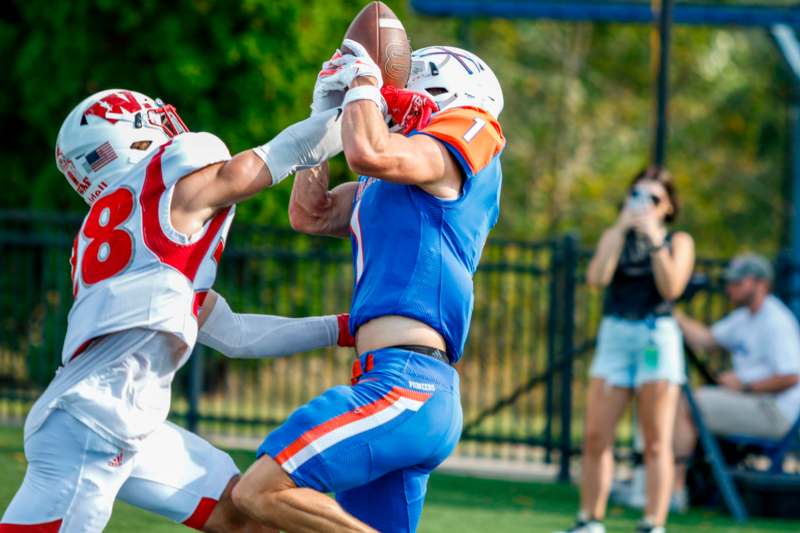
(748, 265)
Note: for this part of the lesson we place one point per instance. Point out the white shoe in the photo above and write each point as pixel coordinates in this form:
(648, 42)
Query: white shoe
(646, 526)
(679, 502)
(631, 493)
(586, 526)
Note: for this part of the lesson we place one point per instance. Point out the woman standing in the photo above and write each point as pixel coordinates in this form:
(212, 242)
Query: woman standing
(644, 268)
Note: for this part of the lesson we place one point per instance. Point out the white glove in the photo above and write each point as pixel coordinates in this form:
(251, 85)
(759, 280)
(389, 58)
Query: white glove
(349, 67)
(305, 144)
(325, 97)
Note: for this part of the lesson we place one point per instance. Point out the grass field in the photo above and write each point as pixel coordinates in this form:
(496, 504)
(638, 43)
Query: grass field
(454, 504)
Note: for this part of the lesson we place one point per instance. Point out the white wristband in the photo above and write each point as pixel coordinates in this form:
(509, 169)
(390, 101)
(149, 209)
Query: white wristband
(366, 92)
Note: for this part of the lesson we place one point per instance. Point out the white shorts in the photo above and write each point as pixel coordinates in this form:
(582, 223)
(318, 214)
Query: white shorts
(74, 476)
(633, 352)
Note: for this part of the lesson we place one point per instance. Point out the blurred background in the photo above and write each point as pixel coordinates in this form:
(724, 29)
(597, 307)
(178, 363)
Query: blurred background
(578, 113)
(579, 120)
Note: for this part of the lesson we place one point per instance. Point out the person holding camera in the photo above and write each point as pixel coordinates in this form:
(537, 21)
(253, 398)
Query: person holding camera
(644, 268)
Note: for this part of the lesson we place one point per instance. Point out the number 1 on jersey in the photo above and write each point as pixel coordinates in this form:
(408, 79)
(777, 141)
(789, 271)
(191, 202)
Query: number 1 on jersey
(477, 126)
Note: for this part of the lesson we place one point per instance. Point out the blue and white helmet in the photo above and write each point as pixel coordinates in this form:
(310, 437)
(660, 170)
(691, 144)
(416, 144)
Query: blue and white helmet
(453, 77)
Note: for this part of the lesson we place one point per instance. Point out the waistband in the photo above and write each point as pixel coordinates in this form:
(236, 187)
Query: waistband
(408, 363)
(436, 353)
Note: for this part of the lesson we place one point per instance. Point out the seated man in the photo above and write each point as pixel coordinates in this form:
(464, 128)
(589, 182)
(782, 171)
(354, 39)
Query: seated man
(761, 396)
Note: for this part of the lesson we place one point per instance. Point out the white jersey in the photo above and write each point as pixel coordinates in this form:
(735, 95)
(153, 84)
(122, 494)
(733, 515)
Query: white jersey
(131, 268)
(138, 285)
(764, 344)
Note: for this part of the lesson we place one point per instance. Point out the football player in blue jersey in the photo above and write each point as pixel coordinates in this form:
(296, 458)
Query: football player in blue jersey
(418, 218)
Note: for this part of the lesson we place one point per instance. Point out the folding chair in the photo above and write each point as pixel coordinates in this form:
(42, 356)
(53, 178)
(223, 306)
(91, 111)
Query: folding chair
(774, 449)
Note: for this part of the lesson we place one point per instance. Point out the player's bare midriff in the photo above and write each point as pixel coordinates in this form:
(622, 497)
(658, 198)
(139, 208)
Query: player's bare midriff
(394, 330)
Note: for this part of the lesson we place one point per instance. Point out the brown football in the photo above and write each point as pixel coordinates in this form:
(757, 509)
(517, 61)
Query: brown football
(379, 30)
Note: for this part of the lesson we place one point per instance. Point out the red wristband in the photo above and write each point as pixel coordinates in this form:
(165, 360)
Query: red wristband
(345, 339)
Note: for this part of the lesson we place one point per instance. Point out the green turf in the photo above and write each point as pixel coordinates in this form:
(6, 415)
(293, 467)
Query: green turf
(454, 504)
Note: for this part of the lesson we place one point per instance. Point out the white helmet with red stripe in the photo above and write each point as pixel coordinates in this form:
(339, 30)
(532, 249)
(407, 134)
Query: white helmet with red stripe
(108, 133)
(455, 78)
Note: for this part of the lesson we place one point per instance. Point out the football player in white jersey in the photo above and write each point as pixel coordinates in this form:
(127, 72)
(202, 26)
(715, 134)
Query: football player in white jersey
(161, 201)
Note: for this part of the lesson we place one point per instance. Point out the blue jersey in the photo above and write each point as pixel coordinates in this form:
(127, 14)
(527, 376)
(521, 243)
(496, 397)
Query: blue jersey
(414, 255)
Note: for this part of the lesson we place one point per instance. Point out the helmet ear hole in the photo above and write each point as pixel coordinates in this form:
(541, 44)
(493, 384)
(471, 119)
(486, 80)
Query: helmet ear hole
(436, 91)
(141, 145)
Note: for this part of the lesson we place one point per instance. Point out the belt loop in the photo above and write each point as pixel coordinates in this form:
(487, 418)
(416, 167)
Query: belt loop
(370, 362)
(357, 372)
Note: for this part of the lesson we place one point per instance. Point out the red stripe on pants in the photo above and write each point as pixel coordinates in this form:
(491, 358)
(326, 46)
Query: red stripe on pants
(49, 527)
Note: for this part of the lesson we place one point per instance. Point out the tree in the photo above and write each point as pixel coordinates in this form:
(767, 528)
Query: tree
(578, 103)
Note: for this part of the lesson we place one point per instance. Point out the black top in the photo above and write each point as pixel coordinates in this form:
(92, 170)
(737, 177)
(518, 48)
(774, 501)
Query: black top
(632, 293)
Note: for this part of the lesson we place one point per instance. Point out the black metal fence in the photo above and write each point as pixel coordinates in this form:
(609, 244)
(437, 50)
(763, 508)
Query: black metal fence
(523, 373)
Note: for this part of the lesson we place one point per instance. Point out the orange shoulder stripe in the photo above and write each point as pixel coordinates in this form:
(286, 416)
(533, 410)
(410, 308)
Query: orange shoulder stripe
(475, 134)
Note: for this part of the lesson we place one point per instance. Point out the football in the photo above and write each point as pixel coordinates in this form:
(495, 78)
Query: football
(379, 30)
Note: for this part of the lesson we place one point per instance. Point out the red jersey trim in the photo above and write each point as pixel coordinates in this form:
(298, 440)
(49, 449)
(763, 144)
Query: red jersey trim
(185, 258)
(49, 527)
(82, 348)
(201, 513)
(218, 250)
(199, 300)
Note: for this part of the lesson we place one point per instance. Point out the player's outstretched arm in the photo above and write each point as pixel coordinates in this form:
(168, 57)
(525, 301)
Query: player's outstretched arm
(250, 336)
(314, 209)
(305, 144)
(372, 150)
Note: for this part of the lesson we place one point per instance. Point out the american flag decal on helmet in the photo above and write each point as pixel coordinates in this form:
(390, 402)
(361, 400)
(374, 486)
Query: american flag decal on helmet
(100, 157)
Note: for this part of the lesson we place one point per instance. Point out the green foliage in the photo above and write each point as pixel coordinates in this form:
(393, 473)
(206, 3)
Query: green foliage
(579, 116)
(578, 113)
(241, 70)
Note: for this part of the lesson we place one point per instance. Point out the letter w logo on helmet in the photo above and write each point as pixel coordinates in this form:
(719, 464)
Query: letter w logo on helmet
(113, 105)
(109, 132)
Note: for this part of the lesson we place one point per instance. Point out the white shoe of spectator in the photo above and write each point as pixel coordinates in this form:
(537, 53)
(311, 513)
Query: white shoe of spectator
(584, 524)
(631, 493)
(646, 526)
(679, 501)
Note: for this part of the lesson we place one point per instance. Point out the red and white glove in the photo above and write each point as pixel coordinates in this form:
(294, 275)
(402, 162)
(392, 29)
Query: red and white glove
(342, 70)
(345, 339)
(325, 95)
(410, 110)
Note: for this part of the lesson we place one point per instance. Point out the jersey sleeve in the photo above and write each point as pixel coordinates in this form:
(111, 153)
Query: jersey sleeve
(189, 152)
(473, 136)
(782, 345)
